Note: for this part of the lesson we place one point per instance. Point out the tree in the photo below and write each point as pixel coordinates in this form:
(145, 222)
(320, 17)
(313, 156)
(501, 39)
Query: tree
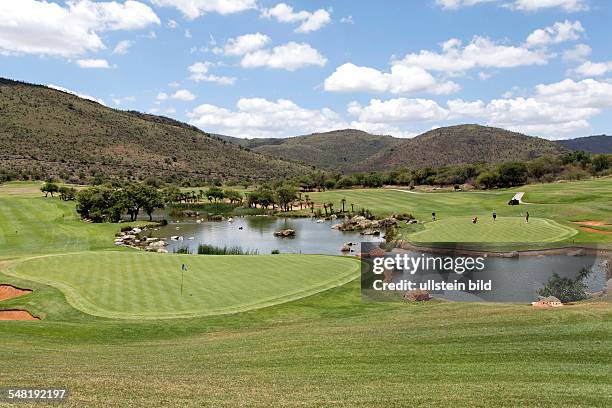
(172, 194)
(487, 180)
(215, 194)
(512, 174)
(233, 196)
(67, 193)
(49, 188)
(151, 200)
(285, 194)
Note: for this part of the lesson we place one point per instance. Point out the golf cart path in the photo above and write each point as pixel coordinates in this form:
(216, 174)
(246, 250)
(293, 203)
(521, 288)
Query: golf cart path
(519, 196)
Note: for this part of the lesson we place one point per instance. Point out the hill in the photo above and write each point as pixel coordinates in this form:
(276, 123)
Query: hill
(460, 144)
(47, 132)
(591, 144)
(336, 150)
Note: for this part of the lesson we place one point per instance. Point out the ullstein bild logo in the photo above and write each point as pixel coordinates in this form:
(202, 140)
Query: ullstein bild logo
(461, 272)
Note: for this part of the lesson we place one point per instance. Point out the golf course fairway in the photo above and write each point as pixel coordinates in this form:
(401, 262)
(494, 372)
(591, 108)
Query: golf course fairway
(137, 285)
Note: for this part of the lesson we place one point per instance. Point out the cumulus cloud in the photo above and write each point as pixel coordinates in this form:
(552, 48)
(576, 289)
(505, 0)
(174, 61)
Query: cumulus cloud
(523, 5)
(554, 111)
(259, 117)
(401, 80)
(93, 63)
(243, 44)
(40, 27)
(577, 53)
(309, 21)
(398, 111)
(79, 94)
(481, 52)
(555, 34)
(290, 56)
(122, 47)
(200, 72)
(535, 5)
(196, 8)
(594, 69)
(183, 95)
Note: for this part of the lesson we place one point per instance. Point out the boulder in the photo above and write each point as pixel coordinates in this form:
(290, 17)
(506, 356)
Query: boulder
(285, 233)
(417, 295)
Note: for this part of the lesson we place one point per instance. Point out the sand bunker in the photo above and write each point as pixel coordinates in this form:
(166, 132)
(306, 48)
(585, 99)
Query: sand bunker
(16, 315)
(592, 223)
(10, 291)
(596, 231)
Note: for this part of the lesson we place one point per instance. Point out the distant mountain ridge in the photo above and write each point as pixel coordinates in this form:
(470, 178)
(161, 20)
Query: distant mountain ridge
(461, 144)
(336, 150)
(601, 144)
(51, 133)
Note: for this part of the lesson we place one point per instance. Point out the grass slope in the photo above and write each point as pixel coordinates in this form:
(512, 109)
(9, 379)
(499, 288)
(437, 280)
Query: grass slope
(459, 145)
(49, 132)
(136, 285)
(329, 349)
(553, 208)
(509, 229)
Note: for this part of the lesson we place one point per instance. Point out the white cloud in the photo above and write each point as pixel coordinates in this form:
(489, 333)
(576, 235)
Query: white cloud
(480, 52)
(119, 101)
(243, 44)
(258, 117)
(162, 96)
(92, 63)
(122, 47)
(172, 24)
(79, 94)
(578, 53)
(554, 111)
(591, 69)
(200, 72)
(309, 21)
(535, 5)
(347, 20)
(196, 8)
(187, 33)
(523, 5)
(290, 56)
(398, 111)
(557, 33)
(401, 80)
(40, 27)
(455, 4)
(183, 95)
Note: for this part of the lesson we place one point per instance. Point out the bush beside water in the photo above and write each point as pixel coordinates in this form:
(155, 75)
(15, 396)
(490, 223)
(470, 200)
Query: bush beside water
(204, 249)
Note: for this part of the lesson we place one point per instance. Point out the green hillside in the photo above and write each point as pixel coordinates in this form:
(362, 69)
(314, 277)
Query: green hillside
(592, 144)
(336, 150)
(460, 145)
(46, 132)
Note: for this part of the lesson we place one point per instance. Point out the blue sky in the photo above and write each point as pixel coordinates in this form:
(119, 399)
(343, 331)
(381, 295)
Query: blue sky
(273, 69)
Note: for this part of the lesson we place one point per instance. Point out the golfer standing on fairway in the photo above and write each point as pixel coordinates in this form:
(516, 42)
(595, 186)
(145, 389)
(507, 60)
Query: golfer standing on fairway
(527, 216)
(494, 215)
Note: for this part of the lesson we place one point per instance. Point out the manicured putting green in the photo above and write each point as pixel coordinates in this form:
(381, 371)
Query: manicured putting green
(136, 285)
(510, 229)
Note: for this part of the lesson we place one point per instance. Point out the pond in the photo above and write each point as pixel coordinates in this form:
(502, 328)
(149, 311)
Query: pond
(256, 233)
(512, 279)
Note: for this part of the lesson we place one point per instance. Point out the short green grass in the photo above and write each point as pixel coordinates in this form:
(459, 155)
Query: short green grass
(507, 229)
(557, 204)
(137, 285)
(330, 349)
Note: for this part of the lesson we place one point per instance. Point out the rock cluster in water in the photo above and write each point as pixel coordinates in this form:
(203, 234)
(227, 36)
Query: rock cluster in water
(285, 233)
(367, 227)
(132, 239)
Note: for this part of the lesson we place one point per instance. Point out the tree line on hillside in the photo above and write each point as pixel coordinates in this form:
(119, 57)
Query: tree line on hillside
(571, 166)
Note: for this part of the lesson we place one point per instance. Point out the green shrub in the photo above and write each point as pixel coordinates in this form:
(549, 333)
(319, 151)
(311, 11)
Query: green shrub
(566, 289)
